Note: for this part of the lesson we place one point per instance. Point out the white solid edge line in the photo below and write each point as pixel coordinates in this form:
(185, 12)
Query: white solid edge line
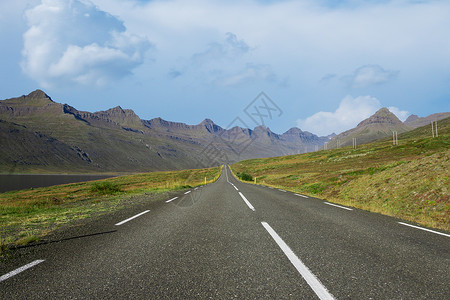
(282, 190)
(133, 217)
(310, 278)
(270, 187)
(338, 206)
(301, 195)
(170, 200)
(187, 192)
(247, 202)
(21, 269)
(421, 228)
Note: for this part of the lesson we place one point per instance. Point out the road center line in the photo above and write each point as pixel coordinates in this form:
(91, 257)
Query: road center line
(310, 278)
(133, 217)
(21, 269)
(247, 202)
(301, 195)
(417, 227)
(170, 200)
(235, 187)
(187, 192)
(338, 206)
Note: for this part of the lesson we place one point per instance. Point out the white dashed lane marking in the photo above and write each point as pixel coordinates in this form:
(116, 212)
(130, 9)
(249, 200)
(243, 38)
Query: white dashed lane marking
(133, 217)
(21, 269)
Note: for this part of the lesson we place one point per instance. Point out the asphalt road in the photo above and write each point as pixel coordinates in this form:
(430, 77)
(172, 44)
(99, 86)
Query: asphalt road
(232, 240)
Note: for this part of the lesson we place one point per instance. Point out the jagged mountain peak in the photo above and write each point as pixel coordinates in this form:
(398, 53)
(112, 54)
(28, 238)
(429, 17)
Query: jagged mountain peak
(38, 94)
(382, 116)
(411, 118)
(210, 126)
(120, 116)
(207, 122)
(294, 130)
(36, 97)
(261, 128)
(117, 111)
(117, 108)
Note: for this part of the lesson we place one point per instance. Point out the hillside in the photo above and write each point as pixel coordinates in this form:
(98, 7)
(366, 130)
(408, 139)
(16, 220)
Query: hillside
(20, 145)
(409, 181)
(378, 126)
(41, 135)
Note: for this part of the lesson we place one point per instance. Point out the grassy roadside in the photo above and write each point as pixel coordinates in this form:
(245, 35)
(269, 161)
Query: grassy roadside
(27, 215)
(409, 181)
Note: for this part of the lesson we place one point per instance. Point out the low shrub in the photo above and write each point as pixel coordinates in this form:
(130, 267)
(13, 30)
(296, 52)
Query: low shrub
(105, 188)
(315, 188)
(245, 176)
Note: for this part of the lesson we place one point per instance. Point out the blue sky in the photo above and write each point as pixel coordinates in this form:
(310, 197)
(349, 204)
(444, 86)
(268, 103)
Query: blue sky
(326, 64)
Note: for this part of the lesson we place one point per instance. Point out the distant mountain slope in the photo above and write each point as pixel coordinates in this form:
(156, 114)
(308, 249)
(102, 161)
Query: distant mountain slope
(415, 121)
(22, 148)
(380, 125)
(59, 137)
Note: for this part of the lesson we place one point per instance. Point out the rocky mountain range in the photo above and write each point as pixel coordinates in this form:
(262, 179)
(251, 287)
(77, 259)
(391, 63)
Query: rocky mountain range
(40, 135)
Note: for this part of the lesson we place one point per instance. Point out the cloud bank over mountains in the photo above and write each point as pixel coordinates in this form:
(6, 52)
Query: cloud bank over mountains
(74, 42)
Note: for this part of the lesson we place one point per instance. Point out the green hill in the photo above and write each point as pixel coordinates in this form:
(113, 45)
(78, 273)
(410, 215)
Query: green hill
(409, 181)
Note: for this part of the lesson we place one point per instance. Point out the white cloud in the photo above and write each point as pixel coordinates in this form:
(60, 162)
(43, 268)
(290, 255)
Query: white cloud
(368, 75)
(225, 63)
(401, 114)
(350, 112)
(230, 49)
(251, 72)
(306, 38)
(74, 42)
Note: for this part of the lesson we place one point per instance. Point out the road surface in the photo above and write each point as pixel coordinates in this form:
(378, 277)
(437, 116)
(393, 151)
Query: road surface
(230, 240)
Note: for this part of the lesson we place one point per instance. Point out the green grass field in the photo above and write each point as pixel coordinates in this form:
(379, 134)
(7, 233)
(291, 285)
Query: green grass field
(409, 181)
(27, 215)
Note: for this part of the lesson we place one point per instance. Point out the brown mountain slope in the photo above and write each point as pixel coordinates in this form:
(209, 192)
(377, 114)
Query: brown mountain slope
(378, 126)
(22, 149)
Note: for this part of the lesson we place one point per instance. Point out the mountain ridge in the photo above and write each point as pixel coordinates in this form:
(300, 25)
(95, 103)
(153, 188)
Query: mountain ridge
(117, 140)
(414, 121)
